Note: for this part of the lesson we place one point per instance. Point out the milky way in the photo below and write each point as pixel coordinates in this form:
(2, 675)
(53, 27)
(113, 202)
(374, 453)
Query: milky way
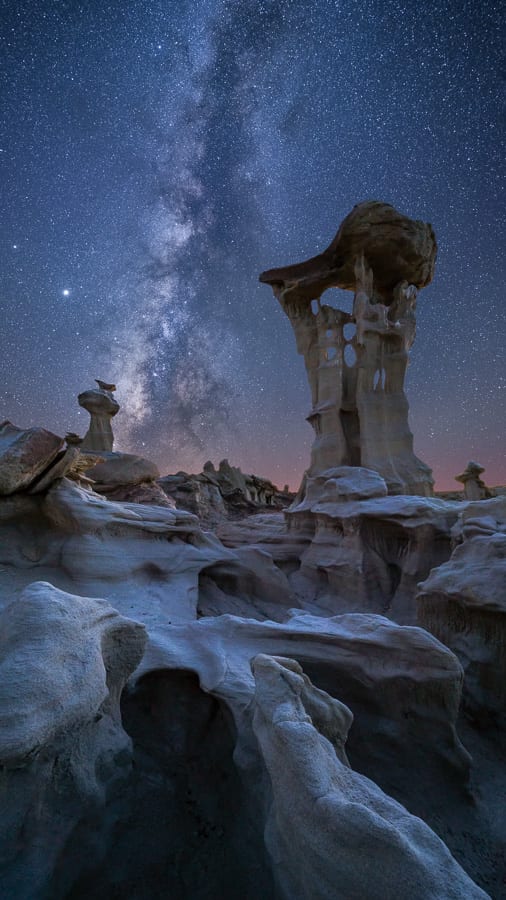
(155, 157)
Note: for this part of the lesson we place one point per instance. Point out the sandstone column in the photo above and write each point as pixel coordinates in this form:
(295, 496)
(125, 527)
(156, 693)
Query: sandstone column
(102, 406)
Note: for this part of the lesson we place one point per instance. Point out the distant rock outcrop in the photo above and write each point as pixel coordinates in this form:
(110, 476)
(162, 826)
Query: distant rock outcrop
(217, 495)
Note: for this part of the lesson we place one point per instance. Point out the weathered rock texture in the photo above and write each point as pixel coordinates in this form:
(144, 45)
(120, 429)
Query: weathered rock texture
(301, 734)
(226, 493)
(102, 406)
(147, 560)
(24, 455)
(359, 408)
(63, 751)
(397, 248)
(463, 602)
(402, 686)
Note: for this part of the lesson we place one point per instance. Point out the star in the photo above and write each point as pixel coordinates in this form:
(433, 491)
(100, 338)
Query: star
(66, 292)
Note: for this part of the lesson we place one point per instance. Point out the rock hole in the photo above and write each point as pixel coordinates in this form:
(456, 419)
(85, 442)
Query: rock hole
(183, 826)
(315, 307)
(350, 357)
(349, 331)
(331, 353)
(339, 299)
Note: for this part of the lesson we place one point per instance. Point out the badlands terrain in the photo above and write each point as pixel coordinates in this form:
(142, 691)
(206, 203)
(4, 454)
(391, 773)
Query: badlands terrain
(213, 688)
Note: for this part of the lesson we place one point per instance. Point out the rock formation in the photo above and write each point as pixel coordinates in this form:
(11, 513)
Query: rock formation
(218, 495)
(463, 602)
(244, 691)
(342, 810)
(24, 455)
(359, 409)
(474, 487)
(102, 407)
(64, 663)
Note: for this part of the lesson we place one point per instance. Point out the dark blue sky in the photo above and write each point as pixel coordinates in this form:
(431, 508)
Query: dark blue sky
(155, 157)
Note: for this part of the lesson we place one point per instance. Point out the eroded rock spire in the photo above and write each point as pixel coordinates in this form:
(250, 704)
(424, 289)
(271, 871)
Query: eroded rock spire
(359, 409)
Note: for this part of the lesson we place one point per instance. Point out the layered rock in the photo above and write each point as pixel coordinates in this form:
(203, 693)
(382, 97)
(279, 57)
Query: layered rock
(463, 602)
(402, 686)
(397, 248)
(367, 554)
(24, 455)
(359, 408)
(301, 734)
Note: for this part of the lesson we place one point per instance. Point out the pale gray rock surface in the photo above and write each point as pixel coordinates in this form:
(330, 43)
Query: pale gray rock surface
(63, 751)
(402, 685)
(463, 602)
(115, 469)
(343, 812)
(24, 454)
(150, 562)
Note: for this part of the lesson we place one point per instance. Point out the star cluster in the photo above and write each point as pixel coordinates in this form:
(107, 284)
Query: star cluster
(155, 157)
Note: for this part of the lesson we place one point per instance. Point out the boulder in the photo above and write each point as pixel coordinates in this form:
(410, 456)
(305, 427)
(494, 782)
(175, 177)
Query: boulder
(24, 455)
(122, 469)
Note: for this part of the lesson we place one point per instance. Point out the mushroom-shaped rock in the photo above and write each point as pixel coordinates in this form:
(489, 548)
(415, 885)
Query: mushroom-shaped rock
(474, 487)
(101, 406)
(396, 247)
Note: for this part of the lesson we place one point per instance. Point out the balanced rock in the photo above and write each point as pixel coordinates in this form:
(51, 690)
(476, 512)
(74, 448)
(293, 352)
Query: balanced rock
(115, 469)
(396, 247)
(101, 406)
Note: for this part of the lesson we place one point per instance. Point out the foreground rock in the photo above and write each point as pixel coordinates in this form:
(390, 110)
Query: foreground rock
(24, 455)
(221, 794)
(401, 684)
(463, 602)
(63, 751)
(301, 734)
(152, 562)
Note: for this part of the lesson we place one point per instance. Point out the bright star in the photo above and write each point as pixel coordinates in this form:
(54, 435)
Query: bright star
(66, 293)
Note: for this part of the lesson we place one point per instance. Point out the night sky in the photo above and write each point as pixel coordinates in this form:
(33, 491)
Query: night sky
(156, 157)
